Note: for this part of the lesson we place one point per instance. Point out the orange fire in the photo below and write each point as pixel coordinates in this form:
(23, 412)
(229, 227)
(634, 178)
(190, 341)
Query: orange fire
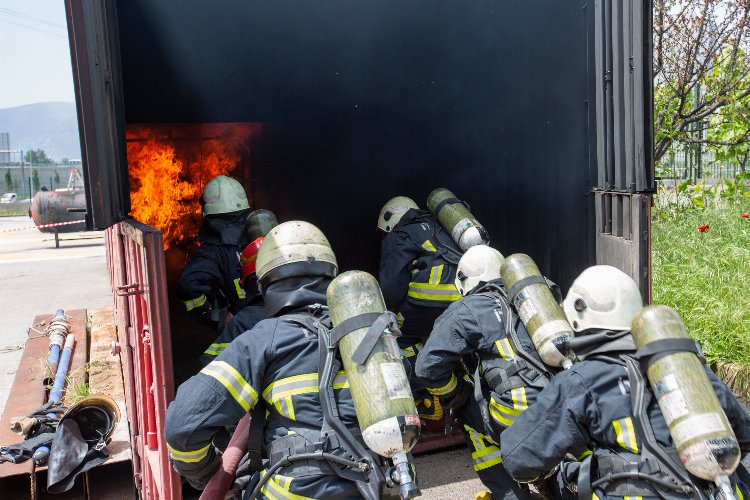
(169, 167)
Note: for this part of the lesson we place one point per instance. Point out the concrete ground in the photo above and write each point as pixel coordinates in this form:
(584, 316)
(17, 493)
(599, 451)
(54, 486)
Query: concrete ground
(36, 278)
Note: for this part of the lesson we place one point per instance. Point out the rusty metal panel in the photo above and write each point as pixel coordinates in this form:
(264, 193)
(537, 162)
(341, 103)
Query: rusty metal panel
(143, 329)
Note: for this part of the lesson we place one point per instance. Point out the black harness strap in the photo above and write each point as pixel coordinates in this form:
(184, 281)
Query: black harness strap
(446, 201)
(523, 283)
(255, 438)
(656, 350)
(386, 320)
(352, 325)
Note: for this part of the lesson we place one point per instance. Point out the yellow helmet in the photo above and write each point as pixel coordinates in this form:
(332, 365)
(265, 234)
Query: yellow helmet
(393, 210)
(294, 248)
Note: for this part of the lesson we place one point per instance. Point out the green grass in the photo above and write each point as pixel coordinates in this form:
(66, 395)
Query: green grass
(706, 278)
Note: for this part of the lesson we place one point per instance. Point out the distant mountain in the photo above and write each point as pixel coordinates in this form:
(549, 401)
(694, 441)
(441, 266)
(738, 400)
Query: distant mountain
(51, 126)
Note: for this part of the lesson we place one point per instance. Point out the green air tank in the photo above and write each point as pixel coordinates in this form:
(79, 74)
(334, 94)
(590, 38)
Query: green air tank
(540, 313)
(380, 388)
(464, 228)
(259, 223)
(697, 423)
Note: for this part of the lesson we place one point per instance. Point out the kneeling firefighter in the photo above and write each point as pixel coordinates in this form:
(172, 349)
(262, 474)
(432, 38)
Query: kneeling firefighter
(418, 262)
(210, 283)
(603, 411)
(259, 223)
(304, 440)
(481, 363)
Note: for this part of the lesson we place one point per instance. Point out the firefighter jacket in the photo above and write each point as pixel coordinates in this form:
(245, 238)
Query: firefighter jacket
(243, 321)
(588, 409)
(482, 328)
(417, 273)
(215, 267)
(277, 362)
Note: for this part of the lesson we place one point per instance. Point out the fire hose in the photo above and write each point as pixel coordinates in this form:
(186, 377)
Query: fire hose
(223, 478)
(57, 329)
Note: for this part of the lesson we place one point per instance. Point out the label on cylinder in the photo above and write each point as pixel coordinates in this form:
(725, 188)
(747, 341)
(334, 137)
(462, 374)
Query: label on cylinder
(395, 380)
(673, 406)
(696, 426)
(667, 384)
(390, 346)
(525, 307)
(460, 227)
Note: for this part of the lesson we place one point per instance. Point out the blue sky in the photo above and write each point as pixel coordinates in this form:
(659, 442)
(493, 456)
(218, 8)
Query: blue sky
(34, 53)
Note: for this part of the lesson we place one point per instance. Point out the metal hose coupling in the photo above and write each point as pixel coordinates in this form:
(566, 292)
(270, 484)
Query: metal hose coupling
(403, 473)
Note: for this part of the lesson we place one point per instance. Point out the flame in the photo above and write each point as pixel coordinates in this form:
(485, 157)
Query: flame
(168, 174)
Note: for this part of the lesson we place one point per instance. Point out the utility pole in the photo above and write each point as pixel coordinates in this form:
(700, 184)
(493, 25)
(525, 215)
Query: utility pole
(23, 179)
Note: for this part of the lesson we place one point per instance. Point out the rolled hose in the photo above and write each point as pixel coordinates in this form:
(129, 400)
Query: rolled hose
(223, 478)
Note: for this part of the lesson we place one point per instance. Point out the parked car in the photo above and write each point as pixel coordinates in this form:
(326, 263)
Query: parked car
(9, 198)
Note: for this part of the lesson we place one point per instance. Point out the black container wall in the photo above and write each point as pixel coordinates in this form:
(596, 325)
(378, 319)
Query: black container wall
(363, 101)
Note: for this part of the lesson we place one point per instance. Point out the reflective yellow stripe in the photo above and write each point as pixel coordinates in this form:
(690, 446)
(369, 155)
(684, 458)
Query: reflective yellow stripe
(632, 498)
(436, 274)
(231, 379)
(740, 496)
(505, 349)
(280, 392)
(427, 245)
(279, 487)
(584, 455)
(239, 289)
(192, 304)
(594, 497)
(216, 349)
(486, 453)
(428, 291)
(519, 398)
(625, 434)
(503, 414)
(188, 457)
(412, 350)
(446, 389)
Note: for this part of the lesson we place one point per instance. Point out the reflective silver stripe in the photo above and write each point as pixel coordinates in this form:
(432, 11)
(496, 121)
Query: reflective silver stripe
(231, 379)
(196, 302)
(488, 460)
(188, 457)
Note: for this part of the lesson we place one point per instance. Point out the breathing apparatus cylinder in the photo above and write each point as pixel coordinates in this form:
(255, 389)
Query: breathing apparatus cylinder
(540, 313)
(455, 217)
(699, 428)
(379, 386)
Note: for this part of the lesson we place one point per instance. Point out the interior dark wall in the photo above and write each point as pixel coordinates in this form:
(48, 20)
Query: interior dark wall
(367, 100)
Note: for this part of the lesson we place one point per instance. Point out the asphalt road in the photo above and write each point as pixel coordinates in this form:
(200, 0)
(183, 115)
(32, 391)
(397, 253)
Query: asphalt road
(37, 278)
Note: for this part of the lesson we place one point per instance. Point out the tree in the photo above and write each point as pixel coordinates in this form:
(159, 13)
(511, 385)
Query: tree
(8, 181)
(57, 179)
(65, 161)
(700, 66)
(37, 157)
(35, 180)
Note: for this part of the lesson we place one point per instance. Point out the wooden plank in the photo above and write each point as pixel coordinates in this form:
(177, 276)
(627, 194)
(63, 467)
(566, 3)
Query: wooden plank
(105, 377)
(78, 373)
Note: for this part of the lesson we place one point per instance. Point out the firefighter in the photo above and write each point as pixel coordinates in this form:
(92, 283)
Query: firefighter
(621, 448)
(211, 280)
(248, 316)
(417, 273)
(483, 333)
(274, 367)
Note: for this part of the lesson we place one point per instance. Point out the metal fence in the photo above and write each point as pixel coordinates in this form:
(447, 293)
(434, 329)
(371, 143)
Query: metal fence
(694, 163)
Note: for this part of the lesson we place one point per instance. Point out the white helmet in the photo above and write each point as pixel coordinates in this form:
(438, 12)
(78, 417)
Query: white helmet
(223, 195)
(479, 264)
(393, 210)
(602, 297)
(294, 248)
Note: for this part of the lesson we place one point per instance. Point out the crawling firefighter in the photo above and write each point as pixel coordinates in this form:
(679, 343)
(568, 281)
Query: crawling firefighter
(304, 436)
(597, 430)
(417, 273)
(259, 224)
(211, 282)
(482, 330)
